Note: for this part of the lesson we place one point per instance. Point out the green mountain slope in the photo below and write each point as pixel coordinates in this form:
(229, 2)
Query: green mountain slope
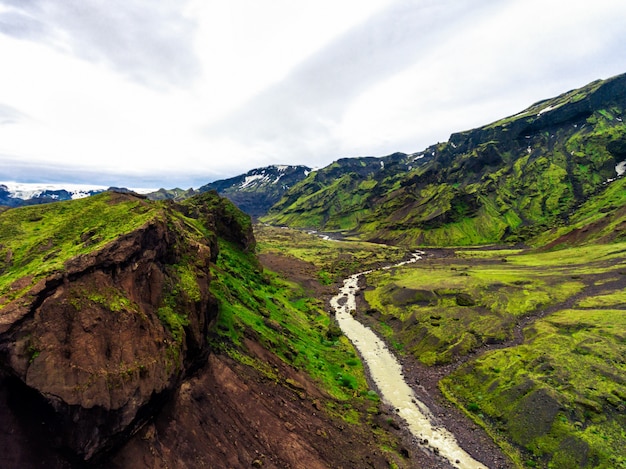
(506, 181)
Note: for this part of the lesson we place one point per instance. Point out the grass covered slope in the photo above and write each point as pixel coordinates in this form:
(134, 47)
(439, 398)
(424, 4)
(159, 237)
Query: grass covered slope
(285, 317)
(506, 181)
(600, 219)
(259, 305)
(559, 398)
(339, 196)
(552, 393)
(36, 241)
(312, 358)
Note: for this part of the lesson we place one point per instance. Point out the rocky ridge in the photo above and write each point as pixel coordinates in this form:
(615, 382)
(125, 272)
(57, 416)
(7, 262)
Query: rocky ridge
(506, 181)
(103, 341)
(257, 190)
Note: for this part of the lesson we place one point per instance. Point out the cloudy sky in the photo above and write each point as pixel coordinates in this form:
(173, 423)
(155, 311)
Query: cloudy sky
(165, 93)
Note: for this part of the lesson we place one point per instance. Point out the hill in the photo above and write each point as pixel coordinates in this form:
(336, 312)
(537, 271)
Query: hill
(177, 194)
(504, 182)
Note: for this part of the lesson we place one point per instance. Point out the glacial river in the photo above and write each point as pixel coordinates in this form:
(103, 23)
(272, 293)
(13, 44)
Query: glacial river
(386, 372)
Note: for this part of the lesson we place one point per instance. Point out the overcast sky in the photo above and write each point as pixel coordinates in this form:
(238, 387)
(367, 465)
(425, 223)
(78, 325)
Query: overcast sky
(165, 93)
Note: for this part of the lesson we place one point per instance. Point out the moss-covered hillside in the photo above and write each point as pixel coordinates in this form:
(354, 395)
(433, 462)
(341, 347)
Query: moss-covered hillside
(105, 307)
(536, 340)
(506, 181)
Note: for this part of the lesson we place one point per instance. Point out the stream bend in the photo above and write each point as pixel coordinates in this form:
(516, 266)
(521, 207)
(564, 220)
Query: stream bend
(386, 372)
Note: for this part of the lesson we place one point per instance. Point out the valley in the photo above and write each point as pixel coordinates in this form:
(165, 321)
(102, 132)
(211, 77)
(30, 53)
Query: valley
(485, 277)
(538, 337)
(385, 371)
(506, 334)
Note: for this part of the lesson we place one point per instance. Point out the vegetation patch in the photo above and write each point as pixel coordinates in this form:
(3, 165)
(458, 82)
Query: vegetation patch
(443, 308)
(334, 259)
(566, 383)
(38, 240)
(276, 312)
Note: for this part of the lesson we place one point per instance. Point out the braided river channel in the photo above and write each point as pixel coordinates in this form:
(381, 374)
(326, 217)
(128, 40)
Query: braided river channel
(386, 372)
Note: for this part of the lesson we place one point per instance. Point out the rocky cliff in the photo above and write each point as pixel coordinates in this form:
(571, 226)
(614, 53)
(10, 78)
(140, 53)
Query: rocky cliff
(105, 336)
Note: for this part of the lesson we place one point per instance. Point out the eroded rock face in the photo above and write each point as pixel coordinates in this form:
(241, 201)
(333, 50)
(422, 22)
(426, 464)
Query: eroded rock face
(106, 341)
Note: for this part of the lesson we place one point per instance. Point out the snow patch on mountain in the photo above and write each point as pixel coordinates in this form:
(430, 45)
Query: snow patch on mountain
(268, 175)
(546, 109)
(250, 179)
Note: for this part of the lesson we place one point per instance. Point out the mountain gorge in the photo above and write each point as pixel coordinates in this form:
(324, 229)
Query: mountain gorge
(503, 182)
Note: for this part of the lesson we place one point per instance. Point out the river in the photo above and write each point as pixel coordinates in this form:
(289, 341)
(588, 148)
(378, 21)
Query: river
(386, 372)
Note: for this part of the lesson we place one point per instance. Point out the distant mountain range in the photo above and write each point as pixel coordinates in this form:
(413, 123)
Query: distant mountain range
(18, 194)
(254, 192)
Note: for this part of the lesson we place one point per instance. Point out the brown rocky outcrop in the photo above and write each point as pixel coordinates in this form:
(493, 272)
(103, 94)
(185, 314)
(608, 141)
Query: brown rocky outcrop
(102, 344)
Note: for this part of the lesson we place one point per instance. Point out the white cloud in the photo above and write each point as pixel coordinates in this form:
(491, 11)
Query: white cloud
(145, 40)
(495, 65)
(183, 92)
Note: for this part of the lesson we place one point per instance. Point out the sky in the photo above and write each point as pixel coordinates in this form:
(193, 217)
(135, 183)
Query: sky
(178, 93)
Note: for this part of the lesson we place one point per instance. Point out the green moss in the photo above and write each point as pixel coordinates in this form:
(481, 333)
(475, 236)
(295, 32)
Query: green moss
(174, 320)
(508, 181)
(188, 283)
(446, 308)
(38, 240)
(284, 320)
(556, 387)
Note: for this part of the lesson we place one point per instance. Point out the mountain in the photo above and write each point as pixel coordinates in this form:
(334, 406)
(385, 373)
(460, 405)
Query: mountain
(257, 190)
(105, 308)
(19, 194)
(504, 182)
